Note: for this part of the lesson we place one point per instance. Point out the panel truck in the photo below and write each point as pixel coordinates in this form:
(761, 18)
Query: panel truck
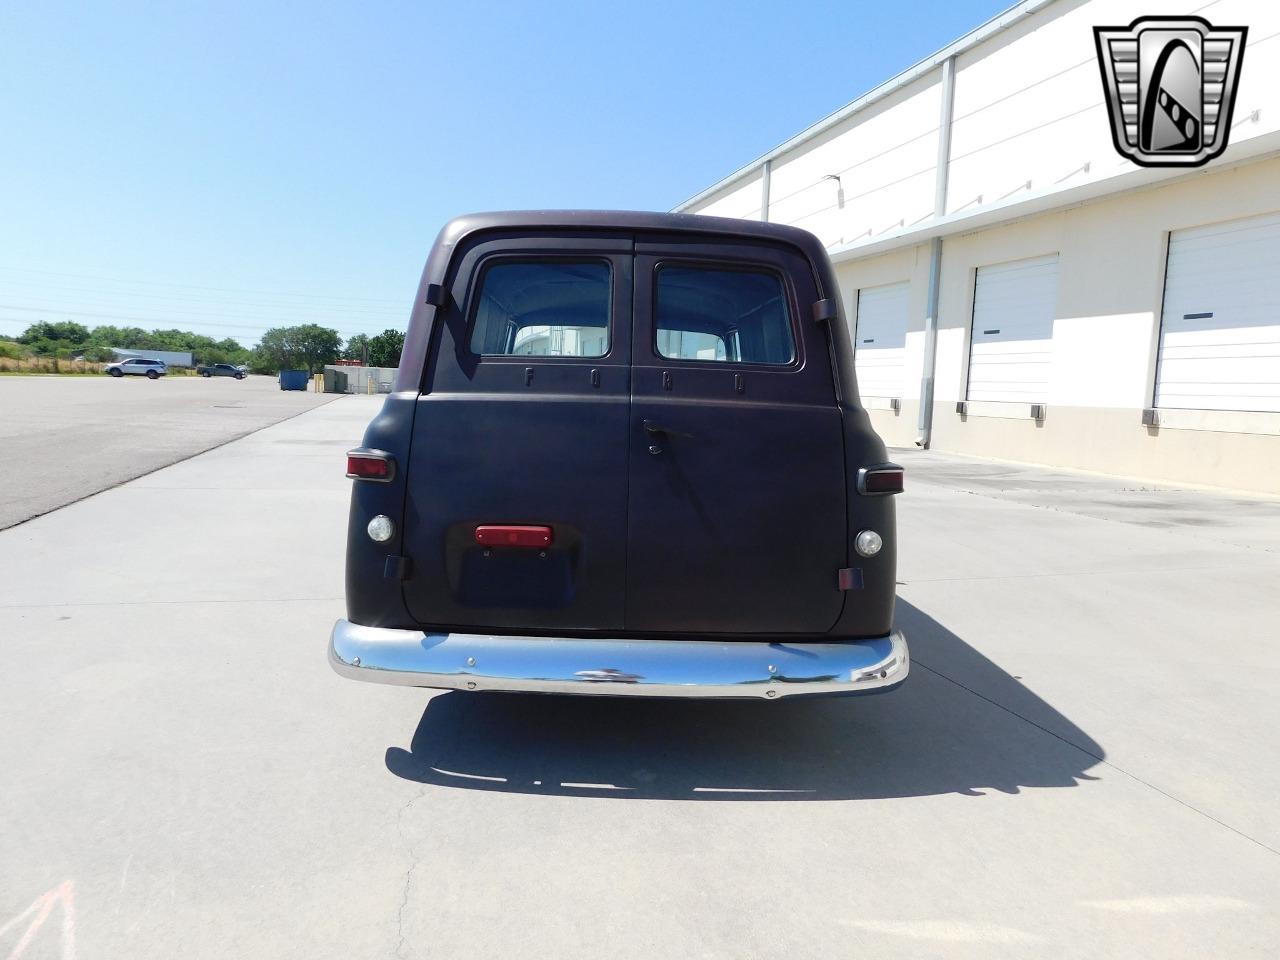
(624, 455)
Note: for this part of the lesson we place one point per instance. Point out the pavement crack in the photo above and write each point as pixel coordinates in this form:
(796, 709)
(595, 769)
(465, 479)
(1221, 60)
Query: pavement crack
(916, 662)
(402, 941)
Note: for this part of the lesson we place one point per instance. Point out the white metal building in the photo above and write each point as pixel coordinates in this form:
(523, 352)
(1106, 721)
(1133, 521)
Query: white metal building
(1061, 304)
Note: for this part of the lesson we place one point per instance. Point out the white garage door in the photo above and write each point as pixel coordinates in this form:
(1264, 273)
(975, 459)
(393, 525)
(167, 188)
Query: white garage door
(879, 340)
(1220, 332)
(1012, 343)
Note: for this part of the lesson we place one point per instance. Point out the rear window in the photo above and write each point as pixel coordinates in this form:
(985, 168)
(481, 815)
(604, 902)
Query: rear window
(543, 309)
(730, 316)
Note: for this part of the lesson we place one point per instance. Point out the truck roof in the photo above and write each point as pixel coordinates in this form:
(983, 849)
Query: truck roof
(628, 220)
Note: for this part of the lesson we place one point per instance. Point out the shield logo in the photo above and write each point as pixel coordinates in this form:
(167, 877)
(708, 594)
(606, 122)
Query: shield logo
(1170, 85)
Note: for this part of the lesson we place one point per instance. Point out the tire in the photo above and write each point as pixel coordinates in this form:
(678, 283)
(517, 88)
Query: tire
(239, 376)
(206, 374)
(152, 375)
(116, 373)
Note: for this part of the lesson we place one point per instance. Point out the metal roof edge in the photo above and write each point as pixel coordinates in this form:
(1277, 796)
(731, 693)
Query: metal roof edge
(1263, 147)
(995, 25)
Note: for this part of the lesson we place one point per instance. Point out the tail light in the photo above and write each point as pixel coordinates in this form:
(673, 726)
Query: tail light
(370, 465)
(513, 535)
(874, 481)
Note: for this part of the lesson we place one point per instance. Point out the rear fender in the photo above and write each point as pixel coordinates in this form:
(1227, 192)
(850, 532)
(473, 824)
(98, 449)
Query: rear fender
(374, 596)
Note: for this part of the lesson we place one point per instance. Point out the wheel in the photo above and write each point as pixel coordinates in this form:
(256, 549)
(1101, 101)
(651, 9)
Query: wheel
(152, 375)
(206, 374)
(239, 376)
(117, 372)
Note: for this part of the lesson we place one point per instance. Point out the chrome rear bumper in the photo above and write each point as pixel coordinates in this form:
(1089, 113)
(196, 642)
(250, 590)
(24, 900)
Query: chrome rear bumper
(627, 668)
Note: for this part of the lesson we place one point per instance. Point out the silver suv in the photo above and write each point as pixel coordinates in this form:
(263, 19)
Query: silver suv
(138, 367)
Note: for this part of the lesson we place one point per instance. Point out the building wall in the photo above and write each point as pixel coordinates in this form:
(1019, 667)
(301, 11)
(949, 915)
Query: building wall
(911, 264)
(886, 161)
(358, 379)
(742, 201)
(1032, 171)
(1105, 333)
(1029, 120)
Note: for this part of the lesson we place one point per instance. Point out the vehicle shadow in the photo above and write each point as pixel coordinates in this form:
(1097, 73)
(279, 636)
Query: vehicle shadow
(959, 724)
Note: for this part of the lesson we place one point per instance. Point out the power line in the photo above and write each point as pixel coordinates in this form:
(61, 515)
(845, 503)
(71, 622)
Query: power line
(120, 300)
(41, 305)
(387, 313)
(190, 286)
(158, 321)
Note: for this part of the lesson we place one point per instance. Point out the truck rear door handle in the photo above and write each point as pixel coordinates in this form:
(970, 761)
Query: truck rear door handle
(657, 430)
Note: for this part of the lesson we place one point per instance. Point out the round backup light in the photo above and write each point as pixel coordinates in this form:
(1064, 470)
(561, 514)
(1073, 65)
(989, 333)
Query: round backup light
(382, 529)
(867, 543)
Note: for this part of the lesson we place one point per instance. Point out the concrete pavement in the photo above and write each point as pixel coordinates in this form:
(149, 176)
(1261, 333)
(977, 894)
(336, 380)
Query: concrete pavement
(68, 437)
(1082, 763)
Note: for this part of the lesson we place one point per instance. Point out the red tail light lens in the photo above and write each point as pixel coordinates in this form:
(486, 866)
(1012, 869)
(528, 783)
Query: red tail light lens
(512, 535)
(881, 480)
(370, 465)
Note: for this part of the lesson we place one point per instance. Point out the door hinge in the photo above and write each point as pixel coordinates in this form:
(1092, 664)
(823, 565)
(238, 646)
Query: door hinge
(436, 296)
(824, 310)
(849, 578)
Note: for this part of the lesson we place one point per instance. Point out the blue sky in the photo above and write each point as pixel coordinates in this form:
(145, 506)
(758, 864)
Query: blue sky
(233, 166)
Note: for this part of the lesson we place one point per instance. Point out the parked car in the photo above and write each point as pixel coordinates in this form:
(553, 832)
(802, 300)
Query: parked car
(220, 370)
(137, 367)
(624, 455)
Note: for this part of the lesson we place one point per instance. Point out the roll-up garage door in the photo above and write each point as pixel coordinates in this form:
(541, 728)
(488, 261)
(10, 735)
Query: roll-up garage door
(1012, 344)
(879, 340)
(1220, 331)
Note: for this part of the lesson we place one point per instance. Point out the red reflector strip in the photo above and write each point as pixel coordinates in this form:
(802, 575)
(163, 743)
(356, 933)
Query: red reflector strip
(508, 535)
(363, 467)
(883, 481)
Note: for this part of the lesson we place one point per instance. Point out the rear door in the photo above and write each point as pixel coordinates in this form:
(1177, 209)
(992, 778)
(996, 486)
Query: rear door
(736, 499)
(522, 422)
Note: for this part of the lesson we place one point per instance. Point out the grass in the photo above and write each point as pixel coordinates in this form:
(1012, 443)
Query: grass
(41, 373)
(48, 365)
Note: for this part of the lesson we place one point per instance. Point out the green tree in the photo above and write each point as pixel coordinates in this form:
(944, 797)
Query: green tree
(125, 338)
(103, 339)
(308, 347)
(96, 353)
(356, 348)
(67, 331)
(385, 349)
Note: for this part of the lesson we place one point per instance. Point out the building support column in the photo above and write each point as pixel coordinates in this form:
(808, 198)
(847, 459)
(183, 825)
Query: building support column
(766, 169)
(924, 423)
